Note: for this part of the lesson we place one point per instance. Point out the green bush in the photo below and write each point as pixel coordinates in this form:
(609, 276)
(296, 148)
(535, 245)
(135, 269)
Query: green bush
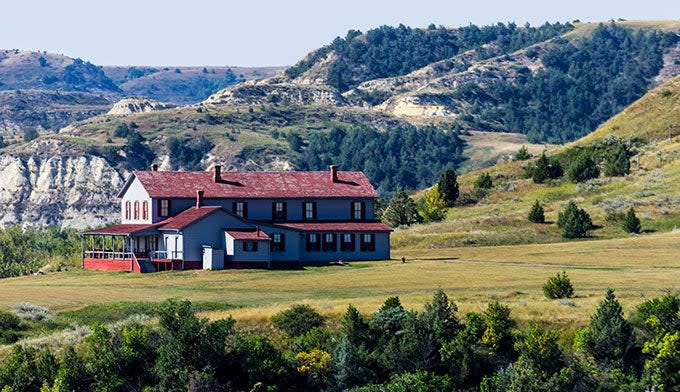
(574, 221)
(297, 320)
(483, 181)
(544, 169)
(522, 154)
(558, 286)
(583, 169)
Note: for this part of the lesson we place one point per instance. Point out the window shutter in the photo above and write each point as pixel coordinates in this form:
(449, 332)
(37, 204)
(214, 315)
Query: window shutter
(363, 210)
(351, 210)
(285, 210)
(283, 242)
(352, 247)
(245, 210)
(274, 211)
(233, 207)
(314, 210)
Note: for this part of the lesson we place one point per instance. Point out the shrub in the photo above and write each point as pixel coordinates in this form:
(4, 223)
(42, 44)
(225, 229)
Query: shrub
(544, 169)
(631, 223)
(618, 163)
(483, 181)
(297, 320)
(574, 221)
(558, 286)
(8, 321)
(32, 312)
(522, 154)
(583, 169)
(30, 134)
(537, 215)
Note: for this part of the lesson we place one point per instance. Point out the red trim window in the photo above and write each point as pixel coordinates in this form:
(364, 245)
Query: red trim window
(127, 210)
(145, 210)
(136, 210)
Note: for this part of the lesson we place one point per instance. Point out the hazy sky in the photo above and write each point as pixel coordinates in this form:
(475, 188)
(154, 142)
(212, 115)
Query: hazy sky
(257, 32)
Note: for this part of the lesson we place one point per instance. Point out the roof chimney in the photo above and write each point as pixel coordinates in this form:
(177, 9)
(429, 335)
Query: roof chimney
(257, 230)
(217, 173)
(154, 167)
(334, 173)
(199, 198)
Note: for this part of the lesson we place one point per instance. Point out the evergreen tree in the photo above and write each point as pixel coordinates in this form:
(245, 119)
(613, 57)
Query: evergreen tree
(483, 182)
(401, 210)
(498, 332)
(545, 169)
(433, 208)
(609, 336)
(73, 375)
(354, 327)
(632, 223)
(350, 368)
(538, 349)
(440, 316)
(583, 169)
(448, 186)
(522, 154)
(574, 221)
(618, 163)
(536, 215)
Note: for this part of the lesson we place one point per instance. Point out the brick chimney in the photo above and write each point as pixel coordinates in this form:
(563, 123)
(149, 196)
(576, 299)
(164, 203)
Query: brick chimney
(257, 230)
(199, 198)
(217, 173)
(154, 167)
(334, 173)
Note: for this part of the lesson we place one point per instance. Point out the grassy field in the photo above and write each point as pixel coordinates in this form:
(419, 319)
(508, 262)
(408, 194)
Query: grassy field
(637, 267)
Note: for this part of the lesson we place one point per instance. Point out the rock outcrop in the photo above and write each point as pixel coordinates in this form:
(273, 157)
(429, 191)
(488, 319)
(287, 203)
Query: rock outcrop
(74, 190)
(138, 105)
(271, 91)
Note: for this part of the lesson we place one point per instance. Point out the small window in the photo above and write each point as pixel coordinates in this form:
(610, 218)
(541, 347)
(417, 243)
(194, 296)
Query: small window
(278, 242)
(164, 207)
(329, 242)
(347, 243)
(279, 211)
(145, 210)
(250, 246)
(358, 212)
(128, 212)
(240, 208)
(368, 242)
(313, 242)
(136, 210)
(309, 210)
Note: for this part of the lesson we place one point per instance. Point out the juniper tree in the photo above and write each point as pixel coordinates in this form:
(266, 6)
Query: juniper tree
(401, 210)
(618, 163)
(583, 169)
(609, 337)
(631, 223)
(448, 186)
(483, 181)
(536, 215)
(574, 222)
(522, 154)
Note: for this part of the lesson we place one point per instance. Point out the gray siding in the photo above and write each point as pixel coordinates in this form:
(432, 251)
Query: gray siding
(208, 231)
(236, 254)
(293, 240)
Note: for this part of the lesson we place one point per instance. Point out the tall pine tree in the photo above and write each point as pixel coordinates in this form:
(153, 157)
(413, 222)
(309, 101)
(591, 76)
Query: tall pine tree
(610, 336)
(448, 186)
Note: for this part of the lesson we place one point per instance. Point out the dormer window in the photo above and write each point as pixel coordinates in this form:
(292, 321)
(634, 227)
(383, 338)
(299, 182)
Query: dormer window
(164, 208)
(309, 210)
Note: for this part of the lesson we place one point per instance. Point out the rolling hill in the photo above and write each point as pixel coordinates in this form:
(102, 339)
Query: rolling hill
(650, 126)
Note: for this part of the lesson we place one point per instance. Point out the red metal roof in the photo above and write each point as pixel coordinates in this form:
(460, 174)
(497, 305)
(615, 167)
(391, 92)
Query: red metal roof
(187, 217)
(256, 184)
(249, 235)
(337, 226)
(129, 228)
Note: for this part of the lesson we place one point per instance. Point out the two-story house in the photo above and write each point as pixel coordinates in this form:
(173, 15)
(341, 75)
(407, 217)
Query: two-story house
(215, 219)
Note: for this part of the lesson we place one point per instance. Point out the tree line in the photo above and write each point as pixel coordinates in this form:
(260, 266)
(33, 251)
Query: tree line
(392, 349)
(390, 51)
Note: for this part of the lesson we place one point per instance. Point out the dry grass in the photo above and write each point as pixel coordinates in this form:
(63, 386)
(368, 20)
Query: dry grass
(636, 267)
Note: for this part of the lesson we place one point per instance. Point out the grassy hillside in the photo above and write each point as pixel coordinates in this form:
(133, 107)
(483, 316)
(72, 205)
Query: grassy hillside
(652, 187)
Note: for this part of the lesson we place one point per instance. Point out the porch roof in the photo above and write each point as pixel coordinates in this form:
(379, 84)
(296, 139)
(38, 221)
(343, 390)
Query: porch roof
(257, 235)
(123, 229)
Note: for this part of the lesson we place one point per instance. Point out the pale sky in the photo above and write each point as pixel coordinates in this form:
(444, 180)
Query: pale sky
(259, 32)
